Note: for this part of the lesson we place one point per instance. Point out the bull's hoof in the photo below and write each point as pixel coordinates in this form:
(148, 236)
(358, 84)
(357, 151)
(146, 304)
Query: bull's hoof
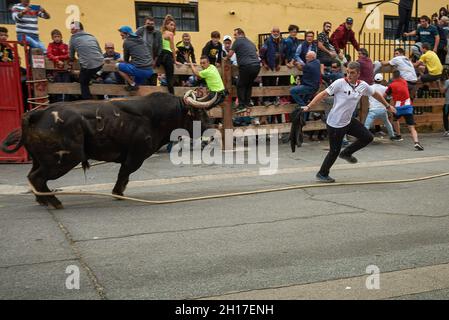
(55, 203)
(118, 194)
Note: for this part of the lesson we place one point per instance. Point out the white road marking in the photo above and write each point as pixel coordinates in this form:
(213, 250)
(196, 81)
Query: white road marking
(16, 190)
(392, 284)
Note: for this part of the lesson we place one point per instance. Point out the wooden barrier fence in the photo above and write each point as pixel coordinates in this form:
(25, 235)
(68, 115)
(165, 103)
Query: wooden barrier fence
(430, 119)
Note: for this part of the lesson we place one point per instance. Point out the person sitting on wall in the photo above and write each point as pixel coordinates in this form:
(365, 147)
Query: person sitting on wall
(136, 55)
(111, 55)
(429, 65)
(26, 17)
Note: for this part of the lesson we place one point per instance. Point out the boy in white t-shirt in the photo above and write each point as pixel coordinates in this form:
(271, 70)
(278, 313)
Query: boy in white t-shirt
(347, 93)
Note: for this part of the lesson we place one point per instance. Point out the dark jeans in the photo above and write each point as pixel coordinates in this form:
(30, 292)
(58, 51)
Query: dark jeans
(247, 75)
(404, 19)
(446, 117)
(60, 77)
(442, 52)
(85, 76)
(153, 80)
(166, 60)
(356, 129)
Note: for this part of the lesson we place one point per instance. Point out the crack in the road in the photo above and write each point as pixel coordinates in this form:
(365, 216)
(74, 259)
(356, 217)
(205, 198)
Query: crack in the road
(216, 227)
(313, 198)
(92, 277)
(36, 263)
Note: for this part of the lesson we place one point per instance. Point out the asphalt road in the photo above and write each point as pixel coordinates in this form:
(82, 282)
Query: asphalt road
(297, 244)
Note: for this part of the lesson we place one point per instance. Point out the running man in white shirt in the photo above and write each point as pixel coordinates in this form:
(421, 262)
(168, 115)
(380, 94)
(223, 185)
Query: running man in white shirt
(347, 93)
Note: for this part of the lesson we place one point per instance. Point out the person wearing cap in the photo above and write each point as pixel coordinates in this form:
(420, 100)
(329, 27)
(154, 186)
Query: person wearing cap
(137, 65)
(377, 110)
(89, 55)
(227, 45)
(344, 34)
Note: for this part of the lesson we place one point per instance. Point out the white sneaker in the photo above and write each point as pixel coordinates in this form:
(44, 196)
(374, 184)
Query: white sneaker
(446, 134)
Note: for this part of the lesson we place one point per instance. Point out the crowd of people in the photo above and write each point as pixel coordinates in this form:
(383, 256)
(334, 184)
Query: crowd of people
(321, 58)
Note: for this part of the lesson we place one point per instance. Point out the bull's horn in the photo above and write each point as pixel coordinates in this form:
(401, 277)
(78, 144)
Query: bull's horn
(201, 105)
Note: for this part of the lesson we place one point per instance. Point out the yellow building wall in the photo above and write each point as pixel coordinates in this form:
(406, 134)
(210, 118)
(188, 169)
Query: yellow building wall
(102, 18)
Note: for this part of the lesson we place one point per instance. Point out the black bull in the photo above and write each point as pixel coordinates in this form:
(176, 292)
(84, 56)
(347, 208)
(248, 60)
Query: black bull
(125, 131)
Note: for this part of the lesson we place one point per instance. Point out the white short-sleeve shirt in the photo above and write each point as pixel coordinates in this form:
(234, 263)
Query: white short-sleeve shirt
(405, 67)
(346, 99)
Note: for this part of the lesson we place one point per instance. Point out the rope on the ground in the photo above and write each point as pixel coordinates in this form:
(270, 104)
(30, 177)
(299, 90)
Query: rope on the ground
(236, 194)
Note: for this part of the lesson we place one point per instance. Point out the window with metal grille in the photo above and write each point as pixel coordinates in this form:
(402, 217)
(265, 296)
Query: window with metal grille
(186, 15)
(5, 11)
(391, 24)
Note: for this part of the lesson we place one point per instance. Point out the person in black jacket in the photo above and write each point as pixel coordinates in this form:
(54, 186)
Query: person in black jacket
(405, 14)
(213, 49)
(185, 53)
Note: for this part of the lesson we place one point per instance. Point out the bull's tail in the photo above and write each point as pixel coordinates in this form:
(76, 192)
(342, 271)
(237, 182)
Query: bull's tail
(15, 139)
(296, 134)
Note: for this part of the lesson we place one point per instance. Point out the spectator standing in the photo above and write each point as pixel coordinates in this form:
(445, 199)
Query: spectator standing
(137, 60)
(153, 39)
(227, 45)
(249, 67)
(26, 17)
(271, 58)
(213, 49)
(405, 15)
(6, 54)
(344, 34)
(326, 51)
(445, 91)
(89, 55)
(429, 65)
(403, 107)
(185, 53)
(443, 31)
(290, 45)
(426, 33)
(168, 56)
(58, 52)
(305, 47)
(366, 67)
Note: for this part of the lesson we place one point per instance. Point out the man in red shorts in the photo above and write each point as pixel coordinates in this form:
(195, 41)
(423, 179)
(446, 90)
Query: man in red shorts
(398, 89)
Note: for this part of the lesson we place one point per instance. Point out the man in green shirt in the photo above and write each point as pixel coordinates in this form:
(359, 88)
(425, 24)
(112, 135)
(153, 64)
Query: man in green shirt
(213, 80)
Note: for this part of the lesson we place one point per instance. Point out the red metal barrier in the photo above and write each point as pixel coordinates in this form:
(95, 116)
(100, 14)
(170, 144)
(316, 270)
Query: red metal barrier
(11, 103)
